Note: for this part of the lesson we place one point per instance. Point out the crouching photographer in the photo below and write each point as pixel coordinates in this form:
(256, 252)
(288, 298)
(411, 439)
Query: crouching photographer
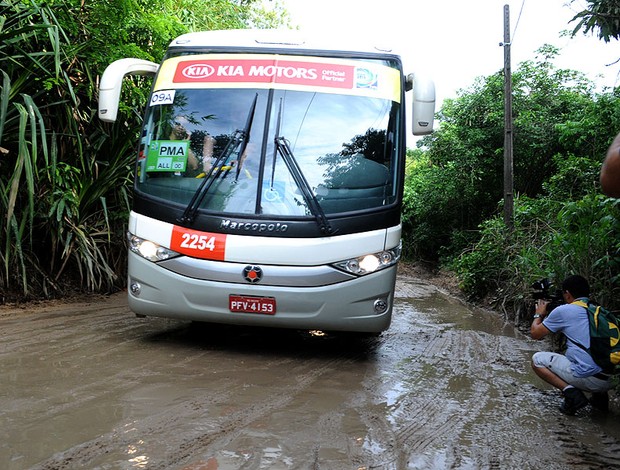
(575, 372)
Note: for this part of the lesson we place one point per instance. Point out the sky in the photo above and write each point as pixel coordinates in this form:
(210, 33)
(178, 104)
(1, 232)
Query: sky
(455, 41)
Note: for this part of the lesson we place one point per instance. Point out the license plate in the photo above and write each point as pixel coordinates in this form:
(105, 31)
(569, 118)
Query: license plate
(252, 304)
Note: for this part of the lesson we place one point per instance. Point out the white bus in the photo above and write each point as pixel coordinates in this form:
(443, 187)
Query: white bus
(269, 180)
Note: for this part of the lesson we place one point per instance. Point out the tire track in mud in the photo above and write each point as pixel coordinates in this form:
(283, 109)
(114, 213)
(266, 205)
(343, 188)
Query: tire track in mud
(579, 450)
(467, 405)
(231, 426)
(51, 326)
(445, 387)
(183, 446)
(67, 352)
(220, 429)
(429, 418)
(113, 381)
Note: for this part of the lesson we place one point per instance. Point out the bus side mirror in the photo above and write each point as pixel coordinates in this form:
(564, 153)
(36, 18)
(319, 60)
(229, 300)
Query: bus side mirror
(423, 106)
(112, 80)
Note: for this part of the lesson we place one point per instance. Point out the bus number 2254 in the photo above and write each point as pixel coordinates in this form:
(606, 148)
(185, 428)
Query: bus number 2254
(198, 244)
(193, 241)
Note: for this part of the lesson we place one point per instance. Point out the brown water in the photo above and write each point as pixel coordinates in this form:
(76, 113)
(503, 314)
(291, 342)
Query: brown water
(447, 386)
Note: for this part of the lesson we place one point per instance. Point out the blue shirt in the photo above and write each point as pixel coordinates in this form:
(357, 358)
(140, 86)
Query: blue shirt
(572, 321)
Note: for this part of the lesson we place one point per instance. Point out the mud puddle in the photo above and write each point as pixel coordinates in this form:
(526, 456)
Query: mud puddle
(447, 386)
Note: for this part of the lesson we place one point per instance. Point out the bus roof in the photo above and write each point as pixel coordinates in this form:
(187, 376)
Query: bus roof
(278, 39)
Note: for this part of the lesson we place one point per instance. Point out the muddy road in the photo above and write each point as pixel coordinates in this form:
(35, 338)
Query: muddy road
(88, 385)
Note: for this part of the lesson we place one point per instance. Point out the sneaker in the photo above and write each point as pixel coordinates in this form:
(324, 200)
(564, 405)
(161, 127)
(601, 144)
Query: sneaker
(600, 401)
(574, 399)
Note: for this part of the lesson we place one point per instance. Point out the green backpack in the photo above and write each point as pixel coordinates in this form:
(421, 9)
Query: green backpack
(604, 337)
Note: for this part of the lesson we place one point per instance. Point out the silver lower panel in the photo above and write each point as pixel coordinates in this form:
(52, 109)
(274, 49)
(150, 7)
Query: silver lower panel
(343, 306)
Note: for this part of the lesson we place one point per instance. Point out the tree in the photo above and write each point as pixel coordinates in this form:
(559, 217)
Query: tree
(602, 16)
(64, 175)
(563, 225)
(460, 185)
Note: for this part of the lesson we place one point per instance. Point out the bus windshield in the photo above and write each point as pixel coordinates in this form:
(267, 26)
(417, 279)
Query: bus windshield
(242, 147)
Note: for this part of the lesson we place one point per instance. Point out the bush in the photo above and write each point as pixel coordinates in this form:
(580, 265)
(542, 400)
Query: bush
(65, 175)
(550, 239)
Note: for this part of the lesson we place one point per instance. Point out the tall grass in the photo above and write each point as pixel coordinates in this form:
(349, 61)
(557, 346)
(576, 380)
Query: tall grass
(64, 175)
(62, 182)
(552, 240)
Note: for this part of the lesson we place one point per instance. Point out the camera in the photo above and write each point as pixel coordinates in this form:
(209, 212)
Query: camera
(544, 289)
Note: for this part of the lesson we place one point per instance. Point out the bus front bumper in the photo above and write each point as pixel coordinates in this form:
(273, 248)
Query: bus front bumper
(362, 304)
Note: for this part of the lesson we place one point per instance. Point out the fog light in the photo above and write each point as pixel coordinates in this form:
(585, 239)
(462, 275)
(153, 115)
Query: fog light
(381, 306)
(135, 288)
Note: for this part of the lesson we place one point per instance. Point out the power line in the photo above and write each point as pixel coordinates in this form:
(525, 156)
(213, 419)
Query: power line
(514, 32)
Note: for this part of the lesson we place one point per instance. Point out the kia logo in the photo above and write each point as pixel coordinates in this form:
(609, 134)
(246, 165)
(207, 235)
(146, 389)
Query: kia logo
(198, 71)
(252, 274)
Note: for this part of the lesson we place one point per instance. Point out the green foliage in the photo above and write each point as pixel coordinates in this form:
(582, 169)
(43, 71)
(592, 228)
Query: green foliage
(23, 139)
(435, 201)
(577, 232)
(562, 225)
(272, 15)
(476, 278)
(64, 175)
(459, 180)
(550, 239)
(587, 241)
(600, 15)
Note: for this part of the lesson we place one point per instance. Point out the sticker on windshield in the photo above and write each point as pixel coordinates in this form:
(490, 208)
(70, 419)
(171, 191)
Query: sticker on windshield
(366, 78)
(162, 97)
(274, 193)
(167, 155)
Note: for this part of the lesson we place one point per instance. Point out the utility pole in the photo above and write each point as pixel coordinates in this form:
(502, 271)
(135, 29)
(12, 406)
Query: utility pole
(508, 150)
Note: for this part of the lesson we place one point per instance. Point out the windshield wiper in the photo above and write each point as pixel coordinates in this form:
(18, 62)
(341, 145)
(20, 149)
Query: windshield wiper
(284, 149)
(239, 139)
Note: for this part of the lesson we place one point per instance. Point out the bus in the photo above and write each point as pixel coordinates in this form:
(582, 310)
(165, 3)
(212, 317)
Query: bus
(269, 180)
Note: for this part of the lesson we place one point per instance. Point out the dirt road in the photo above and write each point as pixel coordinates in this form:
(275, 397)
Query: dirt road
(88, 385)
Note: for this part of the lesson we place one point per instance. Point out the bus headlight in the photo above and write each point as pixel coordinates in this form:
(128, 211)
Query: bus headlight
(370, 263)
(149, 250)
